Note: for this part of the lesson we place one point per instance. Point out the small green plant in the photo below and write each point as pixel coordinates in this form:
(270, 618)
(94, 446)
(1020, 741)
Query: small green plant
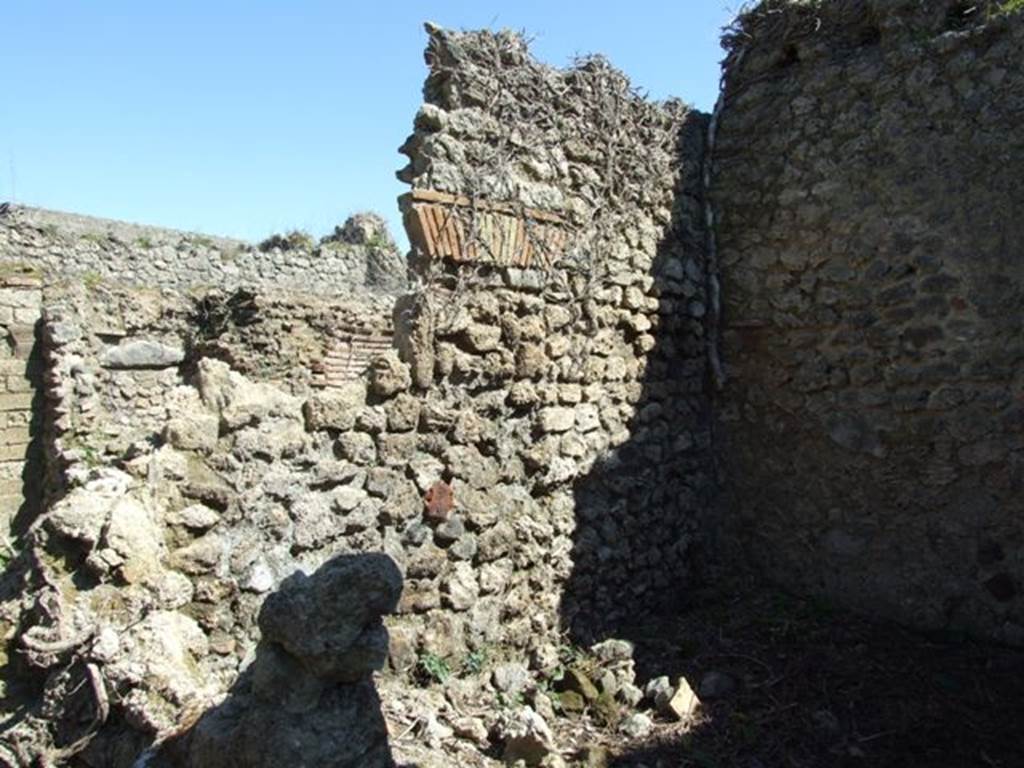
(7, 553)
(1010, 6)
(91, 279)
(570, 654)
(433, 669)
(144, 242)
(474, 662)
(98, 238)
(509, 700)
(377, 240)
(90, 456)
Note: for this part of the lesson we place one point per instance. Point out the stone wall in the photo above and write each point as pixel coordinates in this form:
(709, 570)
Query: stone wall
(537, 462)
(559, 329)
(867, 178)
(358, 256)
(180, 493)
(117, 357)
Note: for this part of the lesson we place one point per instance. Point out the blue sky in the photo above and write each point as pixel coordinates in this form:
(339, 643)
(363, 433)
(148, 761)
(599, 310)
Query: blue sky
(244, 118)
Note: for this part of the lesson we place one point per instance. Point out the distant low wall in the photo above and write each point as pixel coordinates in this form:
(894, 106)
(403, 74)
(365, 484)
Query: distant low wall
(360, 257)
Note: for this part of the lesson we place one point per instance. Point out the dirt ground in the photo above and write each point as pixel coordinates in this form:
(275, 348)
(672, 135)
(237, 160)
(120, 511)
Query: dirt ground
(815, 688)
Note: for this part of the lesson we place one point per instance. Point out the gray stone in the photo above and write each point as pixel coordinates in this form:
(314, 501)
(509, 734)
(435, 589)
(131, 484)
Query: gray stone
(526, 736)
(142, 353)
(460, 589)
(336, 409)
(556, 420)
(330, 621)
(388, 375)
(450, 531)
(659, 692)
(193, 432)
(613, 650)
(464, 548)
(511, 679)
(636, 726)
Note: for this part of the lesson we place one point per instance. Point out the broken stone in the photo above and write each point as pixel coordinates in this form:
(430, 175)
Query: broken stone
(472, 729)
(578, 681)
(239, 401)
(463, 549)
(659, 692)
(450, 531)
(82, 514)
(526, 737)
(357, 447)
(511, 678)
(612, 650)
(629, 694)
(135, 537)
(556, 419)
(330, 621)
(193, 432)
(636, 726)
(684, 703)
(482, 338)
(336, 409)
(460, 590)
(388, 375)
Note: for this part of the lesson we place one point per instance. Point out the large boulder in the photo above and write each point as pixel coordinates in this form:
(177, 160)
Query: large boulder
(331, 621)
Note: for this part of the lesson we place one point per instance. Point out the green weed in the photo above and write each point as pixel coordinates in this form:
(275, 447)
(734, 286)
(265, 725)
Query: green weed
(475, 662)
(433, 669)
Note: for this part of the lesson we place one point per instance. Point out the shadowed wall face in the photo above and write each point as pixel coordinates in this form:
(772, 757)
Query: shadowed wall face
(867, 178)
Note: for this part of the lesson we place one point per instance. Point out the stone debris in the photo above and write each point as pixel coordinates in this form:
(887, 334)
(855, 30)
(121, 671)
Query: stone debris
(684, 702)
(637, 726)
(526, 736)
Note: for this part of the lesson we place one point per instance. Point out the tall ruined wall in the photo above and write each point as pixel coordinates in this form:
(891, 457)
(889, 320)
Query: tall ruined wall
(537, 462)
(559, 325)
(867, 179)
(359, 255)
